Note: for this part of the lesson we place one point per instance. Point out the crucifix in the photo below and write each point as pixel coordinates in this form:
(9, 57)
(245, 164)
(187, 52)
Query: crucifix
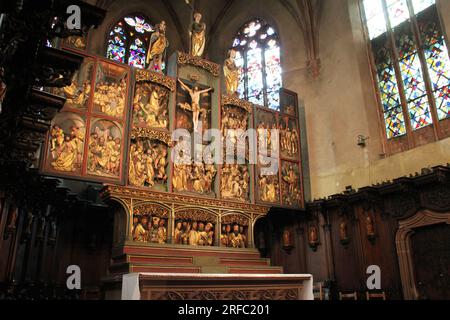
(194, 107)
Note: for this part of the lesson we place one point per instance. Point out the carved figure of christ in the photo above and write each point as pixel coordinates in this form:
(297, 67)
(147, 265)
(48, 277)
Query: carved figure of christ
(195, 94)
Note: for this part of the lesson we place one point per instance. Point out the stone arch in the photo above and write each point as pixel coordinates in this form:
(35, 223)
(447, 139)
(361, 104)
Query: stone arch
(406, 230)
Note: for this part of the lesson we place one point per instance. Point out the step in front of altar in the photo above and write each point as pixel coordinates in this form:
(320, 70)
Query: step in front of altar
(180, 259)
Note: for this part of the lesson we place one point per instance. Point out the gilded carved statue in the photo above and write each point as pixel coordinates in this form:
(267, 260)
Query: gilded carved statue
(370, 227)
(266, 136)
(198, 36)
(76, 42)
(66, 150)
(157, 48)
(231, 73)
(144, 231)
(291, 194)
(289, 141)
(77, 96)
(313, 236)
(140, 231)
(268, 188)
(194, 233)
(343, 234)
(233, 238)
(195, 94)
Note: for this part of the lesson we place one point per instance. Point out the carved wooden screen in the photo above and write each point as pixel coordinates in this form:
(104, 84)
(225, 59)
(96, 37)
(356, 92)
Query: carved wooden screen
(279, 185)
(412, 69)
(87, 137)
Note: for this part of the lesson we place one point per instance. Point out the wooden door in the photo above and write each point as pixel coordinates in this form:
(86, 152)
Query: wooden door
(431, 256)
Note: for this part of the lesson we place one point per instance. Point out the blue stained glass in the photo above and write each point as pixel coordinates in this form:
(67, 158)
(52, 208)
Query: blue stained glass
(137, 55)
(442, 98)
(420, 113)
(240, 64)
(116, 53)
(273, 77)
(128, 41)
(255, 76)
(395, 123)
(412, 77)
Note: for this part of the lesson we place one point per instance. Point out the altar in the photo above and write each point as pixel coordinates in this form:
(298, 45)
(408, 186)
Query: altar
(189, 167)
(169, 286)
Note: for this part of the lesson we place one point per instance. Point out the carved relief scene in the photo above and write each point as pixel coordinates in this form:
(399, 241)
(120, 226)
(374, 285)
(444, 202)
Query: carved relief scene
(195, 227)
(235, 182)
(151, 106)
(105, 148)
(78, 93)
(190, 176)
(289, 138)
(235, 121)
(150, 224)
(66, 143)
(268, 185)
(266, 124)
(76, 42)
(110, 95)
(291, 187)
(193, 106)
(148, 162)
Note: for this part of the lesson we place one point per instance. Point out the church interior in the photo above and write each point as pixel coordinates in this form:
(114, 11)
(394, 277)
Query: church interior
(225, 150)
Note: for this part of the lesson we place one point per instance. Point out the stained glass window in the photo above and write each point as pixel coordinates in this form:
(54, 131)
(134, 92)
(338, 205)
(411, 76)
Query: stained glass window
(128, 41)
(407, 68)
(258, 57)
(437, 59)
(388, 87)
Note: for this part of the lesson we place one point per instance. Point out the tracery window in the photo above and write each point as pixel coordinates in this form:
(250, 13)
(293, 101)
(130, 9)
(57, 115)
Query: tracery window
(258, 56)
(412, 67)
(128, 41)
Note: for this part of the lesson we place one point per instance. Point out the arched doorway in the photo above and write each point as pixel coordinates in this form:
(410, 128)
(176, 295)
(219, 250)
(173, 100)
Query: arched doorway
(423, 249)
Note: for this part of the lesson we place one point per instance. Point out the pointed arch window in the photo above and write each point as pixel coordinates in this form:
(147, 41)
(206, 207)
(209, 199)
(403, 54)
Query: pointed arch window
(258, 56)
(412, 68)
(128, 41)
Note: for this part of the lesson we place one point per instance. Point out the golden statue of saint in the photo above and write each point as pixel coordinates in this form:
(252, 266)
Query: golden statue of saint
(291, 178)
(157, 49)
(231, 73)
(198, 36)
(67, 157)
(140, 233)
(236, 240)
